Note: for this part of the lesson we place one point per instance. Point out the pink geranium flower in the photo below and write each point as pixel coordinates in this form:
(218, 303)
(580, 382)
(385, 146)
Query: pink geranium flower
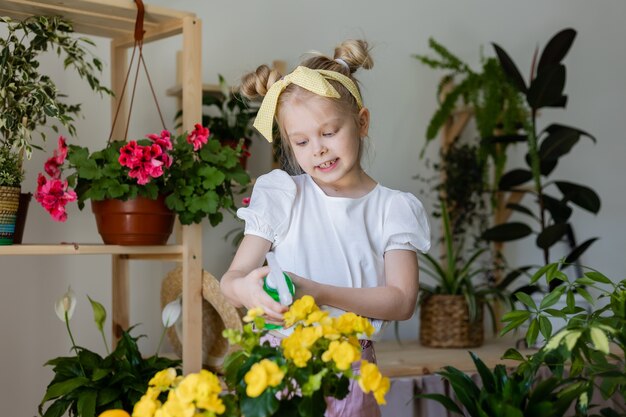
(58, 157)
(54, 195)
(198, 137)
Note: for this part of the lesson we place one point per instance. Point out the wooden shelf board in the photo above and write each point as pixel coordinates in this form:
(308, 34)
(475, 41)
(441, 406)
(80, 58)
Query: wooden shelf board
(112, 19)
(410, 359)
(135, 252)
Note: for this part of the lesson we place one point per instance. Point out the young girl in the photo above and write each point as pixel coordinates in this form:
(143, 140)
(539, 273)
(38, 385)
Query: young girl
(345, 239)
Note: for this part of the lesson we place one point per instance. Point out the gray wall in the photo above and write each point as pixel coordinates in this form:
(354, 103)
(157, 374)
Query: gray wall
(238, 35)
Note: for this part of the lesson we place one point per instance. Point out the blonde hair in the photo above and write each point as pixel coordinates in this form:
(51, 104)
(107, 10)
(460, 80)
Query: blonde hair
(348, 57)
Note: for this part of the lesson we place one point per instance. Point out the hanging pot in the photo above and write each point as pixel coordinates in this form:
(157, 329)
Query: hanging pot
(140, 221)
(445, 323)
(9, 202)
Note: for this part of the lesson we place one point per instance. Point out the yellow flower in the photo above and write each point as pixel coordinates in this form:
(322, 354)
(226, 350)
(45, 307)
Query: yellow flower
(346, 323)
(317, 316)
(186, 390)
(145, 407)
(163, 379)
(114, 413)
(173, 407)
(299, 310)
(260, 376)
(342, 353)
(256, 380)
(372, 380)
(382, 390)
(253, 313)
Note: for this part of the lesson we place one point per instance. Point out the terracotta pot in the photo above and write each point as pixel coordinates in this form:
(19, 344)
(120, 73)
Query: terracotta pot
(134, 222)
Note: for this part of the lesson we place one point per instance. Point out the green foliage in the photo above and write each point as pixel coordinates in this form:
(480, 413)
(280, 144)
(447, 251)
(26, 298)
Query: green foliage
(228, 115)
(510, 394)
(590, 348)
(11, 173)
(28, 97)
(87, 384)
(496, 104)
(198, 185)
(545, 148)
(454, 275)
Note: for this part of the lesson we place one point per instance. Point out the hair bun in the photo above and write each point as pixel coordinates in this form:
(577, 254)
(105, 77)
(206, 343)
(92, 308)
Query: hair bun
(256, 83)
(355, 53)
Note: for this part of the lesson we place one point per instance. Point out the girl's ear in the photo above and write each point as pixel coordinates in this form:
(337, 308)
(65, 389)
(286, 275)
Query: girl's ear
(364, 122)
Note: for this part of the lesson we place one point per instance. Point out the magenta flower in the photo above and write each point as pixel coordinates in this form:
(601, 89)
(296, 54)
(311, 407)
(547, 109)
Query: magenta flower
(53, 164)
(245, 201)
(198, 137)
(164, 140)
(54, 195)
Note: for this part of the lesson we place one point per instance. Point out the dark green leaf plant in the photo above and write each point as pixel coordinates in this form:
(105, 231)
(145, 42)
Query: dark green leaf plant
(86, 384)
(553, 199)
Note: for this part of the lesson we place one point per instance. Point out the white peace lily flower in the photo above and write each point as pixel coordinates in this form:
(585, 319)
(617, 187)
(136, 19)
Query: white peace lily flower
(171, 312)
(67, 303)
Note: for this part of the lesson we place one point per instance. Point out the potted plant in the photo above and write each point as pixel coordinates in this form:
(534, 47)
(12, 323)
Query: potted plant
(583, 358)
(11, 175)
(86, 384)
(29, 97)
(262, 380)
(554, 198)
(190, 174)
(451, 310)
(229, 116)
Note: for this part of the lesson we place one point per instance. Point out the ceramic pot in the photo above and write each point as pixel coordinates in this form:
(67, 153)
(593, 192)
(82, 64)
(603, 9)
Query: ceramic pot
(140, 221)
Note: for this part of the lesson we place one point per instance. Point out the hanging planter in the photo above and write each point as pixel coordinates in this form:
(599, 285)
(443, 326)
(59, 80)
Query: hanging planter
(138, 221)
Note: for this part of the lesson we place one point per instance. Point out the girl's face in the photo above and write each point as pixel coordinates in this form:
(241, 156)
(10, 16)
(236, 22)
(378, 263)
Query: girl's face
(325, 142)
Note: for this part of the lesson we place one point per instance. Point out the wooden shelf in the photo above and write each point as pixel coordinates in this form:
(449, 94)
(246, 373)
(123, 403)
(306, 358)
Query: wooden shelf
(172, 252)
(410, 359)
(115, 19)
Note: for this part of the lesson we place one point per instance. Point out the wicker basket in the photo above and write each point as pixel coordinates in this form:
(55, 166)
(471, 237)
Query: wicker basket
(444, 323)
(217, 314)
(9, 203)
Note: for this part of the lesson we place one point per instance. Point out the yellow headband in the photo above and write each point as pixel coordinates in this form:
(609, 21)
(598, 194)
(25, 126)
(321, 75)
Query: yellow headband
(314, 80)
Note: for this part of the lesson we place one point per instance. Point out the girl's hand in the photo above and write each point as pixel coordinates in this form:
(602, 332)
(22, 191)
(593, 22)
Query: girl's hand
(251, 295)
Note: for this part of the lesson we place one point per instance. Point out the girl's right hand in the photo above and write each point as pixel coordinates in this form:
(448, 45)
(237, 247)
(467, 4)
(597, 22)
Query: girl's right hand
(252, 295)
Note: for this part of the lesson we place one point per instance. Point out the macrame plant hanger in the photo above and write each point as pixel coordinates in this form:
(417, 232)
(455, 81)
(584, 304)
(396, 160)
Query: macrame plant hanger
(138, 45)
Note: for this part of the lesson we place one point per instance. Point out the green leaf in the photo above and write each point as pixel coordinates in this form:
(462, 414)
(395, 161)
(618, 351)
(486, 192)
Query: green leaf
(552, 298)
(486, 376)
(583, 197)
(64, 387)
(443, 400)
(507, 232)
(546, 90)
(545, 327)
(99, 313)
(556, 49)
(514, 178)
(513, 354)
(533, 332)
(57, 409)
(264, 405)
(551, 235)
(510, 69)
(87, 403)
(526, 300)
(579, 250)
(598, 277)
(599, 339)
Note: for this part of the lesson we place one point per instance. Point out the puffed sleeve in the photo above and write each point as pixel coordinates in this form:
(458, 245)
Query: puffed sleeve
(406, 224)
(269, 212)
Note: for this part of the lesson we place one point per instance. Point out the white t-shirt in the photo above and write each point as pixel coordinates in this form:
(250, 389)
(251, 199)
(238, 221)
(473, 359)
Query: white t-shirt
(334, 240)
